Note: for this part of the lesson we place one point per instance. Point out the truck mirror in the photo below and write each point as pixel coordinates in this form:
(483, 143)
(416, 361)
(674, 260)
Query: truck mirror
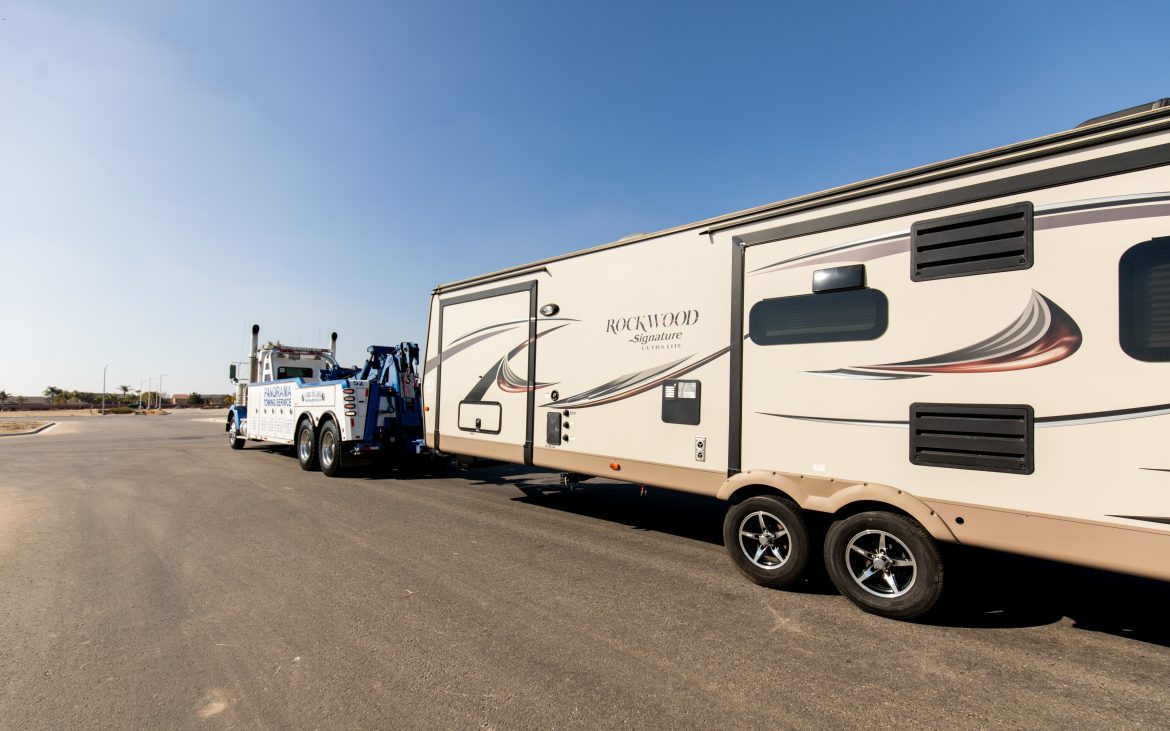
(232, 372)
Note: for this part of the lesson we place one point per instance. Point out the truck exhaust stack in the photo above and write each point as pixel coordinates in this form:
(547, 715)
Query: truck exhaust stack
(252, 375)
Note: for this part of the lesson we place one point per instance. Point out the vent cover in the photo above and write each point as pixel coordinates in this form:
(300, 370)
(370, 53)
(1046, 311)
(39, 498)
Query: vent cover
(968, 437)
(991, 240)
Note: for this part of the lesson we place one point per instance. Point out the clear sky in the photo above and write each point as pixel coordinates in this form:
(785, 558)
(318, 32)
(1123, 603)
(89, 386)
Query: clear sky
(171, 172)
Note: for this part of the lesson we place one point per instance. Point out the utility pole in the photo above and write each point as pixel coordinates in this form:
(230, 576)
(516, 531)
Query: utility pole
(160, 377)
(104, 388)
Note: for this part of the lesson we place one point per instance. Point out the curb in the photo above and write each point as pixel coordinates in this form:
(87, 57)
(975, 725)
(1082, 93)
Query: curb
(38, 430)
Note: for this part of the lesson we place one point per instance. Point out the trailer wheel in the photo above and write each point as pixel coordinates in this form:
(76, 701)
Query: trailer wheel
(234, 438)
(307, 445)
(885, 563)
(329, 448)
(767, 540)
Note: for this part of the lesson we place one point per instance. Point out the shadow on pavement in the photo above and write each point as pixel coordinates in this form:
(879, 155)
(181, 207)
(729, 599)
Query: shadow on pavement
(996, 590)
(986, 589)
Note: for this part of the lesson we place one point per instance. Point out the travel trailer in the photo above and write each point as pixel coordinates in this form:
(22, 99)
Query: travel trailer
(973, 352)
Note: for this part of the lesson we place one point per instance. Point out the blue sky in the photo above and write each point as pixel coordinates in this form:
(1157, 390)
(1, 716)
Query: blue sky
(172, 172)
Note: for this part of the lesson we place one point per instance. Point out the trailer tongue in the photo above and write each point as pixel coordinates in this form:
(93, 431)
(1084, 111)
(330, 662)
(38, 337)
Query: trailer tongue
(333, 415)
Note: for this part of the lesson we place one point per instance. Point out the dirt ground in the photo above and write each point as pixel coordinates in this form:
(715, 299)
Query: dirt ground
(21, 425)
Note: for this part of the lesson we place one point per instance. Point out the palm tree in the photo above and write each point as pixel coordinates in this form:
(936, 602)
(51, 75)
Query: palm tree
(125, 392)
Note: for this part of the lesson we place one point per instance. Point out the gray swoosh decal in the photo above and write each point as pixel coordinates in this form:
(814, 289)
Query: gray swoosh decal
(866, 376)
(1095, 210)
(1095, 417)
(485, 382)
(1147, 519)
(609, 393)
(450, 351)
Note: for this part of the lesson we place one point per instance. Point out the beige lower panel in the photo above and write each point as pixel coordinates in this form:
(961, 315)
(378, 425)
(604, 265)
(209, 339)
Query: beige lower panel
(482, 448)
(1099, 545)
(702, 482)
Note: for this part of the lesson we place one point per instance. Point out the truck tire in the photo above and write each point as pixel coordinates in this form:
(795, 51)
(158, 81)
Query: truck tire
(329, 448)
(307, 445)
(234, 438)
(767, 540)
(885, 563)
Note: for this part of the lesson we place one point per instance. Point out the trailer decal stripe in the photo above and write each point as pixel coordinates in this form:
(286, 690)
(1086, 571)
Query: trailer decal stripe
(866, 376)
(453, 349)
(1057, 215)
(1042, 334)
(1095, 417)
(432, 363)
(504, 377)
(633, 383)
(1147, 519)
(511, 322)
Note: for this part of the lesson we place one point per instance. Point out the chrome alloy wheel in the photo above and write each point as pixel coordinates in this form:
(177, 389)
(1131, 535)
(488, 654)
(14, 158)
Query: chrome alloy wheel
(880, 563)
(233, 435)
(328, 448)
(305, 445)
(764, 539)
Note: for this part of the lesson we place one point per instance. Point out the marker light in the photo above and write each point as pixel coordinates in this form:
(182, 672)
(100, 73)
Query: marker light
(347, 390)
(615, 466)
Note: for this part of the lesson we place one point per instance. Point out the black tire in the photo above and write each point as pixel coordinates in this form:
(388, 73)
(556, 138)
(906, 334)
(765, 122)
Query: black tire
(885, 563)
(329, 448)
(306, 446)
(767, 540)
(233, 434)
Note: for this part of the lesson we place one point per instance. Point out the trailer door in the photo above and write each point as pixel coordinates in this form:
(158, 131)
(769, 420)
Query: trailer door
(485, 376)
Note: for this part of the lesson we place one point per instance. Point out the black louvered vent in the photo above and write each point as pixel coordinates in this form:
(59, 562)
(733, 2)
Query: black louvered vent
(993, 438)
(991, 240)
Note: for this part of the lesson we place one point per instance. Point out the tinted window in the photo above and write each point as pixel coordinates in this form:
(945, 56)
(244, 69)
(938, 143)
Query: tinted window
(856, 314)
(1144, 306)
(293, 372)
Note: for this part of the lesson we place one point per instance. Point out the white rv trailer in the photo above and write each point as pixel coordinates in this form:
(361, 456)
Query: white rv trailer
(975, 351)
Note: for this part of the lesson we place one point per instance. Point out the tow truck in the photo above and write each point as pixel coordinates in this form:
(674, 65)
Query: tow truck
(335, 416)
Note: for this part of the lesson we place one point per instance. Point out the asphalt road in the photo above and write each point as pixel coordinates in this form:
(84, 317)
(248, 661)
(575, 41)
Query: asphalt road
(150, 577)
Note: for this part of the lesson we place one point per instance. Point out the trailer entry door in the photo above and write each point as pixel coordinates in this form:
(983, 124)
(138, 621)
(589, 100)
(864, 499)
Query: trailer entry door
(487, 359)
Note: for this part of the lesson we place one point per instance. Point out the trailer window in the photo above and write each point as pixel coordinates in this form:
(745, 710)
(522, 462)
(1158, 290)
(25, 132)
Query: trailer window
(856, 314)
(293, 372)
(1144, 303)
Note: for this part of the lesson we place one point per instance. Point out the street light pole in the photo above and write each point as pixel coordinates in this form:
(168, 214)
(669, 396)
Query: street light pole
(160, 377)
(104, 388)
(149, 388)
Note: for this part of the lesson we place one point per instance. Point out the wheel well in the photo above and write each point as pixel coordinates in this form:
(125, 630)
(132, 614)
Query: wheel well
(864, 506)
(845, 511)
(750, 491)
(302, 419)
